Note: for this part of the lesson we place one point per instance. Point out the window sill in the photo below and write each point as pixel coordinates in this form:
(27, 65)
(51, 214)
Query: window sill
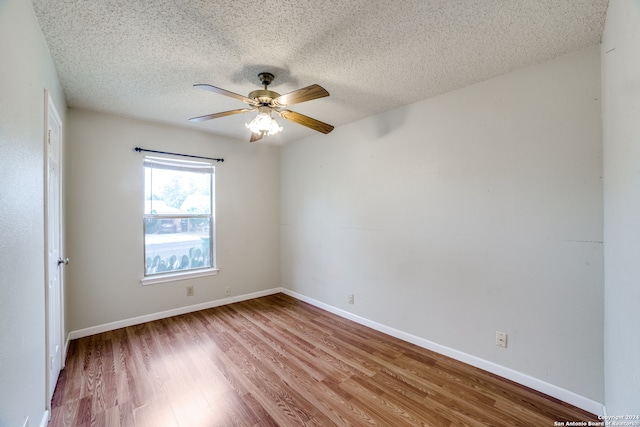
(173, 277)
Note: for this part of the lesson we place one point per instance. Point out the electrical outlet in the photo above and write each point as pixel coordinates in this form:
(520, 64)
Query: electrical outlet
(227, 291)
(350, 298)
(189, 291)
(501, 339)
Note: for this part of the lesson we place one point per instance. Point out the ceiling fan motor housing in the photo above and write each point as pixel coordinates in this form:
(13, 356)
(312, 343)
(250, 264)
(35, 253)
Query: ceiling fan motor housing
(263, 96)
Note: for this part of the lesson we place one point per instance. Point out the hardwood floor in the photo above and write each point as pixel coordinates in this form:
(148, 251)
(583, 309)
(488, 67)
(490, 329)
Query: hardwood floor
(278, 361)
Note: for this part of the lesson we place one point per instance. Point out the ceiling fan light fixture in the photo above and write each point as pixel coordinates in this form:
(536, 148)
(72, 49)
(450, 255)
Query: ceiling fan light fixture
(263, 123)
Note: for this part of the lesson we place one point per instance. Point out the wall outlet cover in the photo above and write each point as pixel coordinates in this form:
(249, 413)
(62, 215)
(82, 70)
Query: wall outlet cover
(501, 339)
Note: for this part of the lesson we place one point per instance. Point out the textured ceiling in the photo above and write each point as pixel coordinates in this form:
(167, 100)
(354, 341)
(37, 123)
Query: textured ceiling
(140, 58)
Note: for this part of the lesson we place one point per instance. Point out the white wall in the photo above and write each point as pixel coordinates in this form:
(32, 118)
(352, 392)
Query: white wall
(105, 201)
(621, 132)
(26, 70)
(473, 212)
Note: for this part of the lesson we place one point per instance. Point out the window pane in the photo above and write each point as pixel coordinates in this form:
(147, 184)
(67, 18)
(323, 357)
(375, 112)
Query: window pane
(178, 222)
(174, 191)
(177, 244)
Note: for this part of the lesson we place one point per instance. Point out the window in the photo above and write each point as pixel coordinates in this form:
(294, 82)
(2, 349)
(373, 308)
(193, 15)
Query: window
(178, 219)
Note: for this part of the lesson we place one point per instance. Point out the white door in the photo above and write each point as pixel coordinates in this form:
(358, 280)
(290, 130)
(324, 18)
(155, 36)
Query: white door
(54, 246)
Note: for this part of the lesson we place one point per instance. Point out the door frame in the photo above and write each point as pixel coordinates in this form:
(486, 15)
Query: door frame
(51, 111)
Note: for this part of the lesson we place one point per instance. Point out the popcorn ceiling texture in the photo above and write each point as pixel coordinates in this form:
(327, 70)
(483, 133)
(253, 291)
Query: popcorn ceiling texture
(140, 58)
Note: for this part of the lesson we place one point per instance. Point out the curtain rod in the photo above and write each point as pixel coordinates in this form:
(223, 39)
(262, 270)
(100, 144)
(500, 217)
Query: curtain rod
(138, 149)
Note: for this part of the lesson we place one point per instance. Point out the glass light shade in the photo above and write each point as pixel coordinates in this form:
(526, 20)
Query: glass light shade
(263, 123)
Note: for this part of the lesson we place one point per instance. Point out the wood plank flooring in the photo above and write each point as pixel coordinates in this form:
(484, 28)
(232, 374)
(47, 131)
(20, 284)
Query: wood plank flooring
(276, 361)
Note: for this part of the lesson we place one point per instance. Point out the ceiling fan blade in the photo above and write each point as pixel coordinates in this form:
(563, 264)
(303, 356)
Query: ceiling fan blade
(306, 121)
(226, 93)
(301, 95)
(222, 114)
(255, 137)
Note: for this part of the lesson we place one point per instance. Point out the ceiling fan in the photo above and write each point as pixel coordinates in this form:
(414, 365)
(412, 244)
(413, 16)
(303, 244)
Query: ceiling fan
(266, 102)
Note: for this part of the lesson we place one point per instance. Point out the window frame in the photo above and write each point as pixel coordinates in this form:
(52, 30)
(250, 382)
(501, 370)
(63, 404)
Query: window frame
(185, 166)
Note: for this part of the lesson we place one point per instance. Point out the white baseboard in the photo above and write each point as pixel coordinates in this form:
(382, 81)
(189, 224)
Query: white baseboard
(45, 419)
(164, 314)
(510, 374)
